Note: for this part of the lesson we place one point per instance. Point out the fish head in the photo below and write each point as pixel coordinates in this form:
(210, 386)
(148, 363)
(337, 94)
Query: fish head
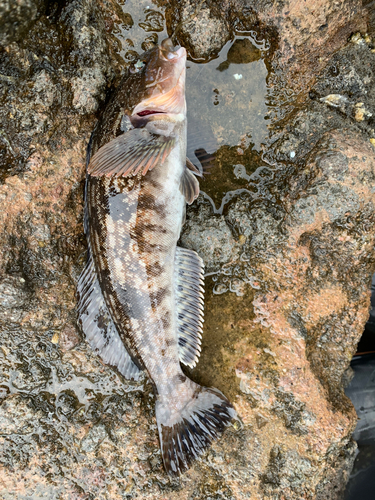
(162, 86)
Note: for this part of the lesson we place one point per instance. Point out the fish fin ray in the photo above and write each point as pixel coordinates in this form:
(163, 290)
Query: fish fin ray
(189, 304)
(98, 327)
(120, 157)
(201, 416)
(193, 168)
(189, 186)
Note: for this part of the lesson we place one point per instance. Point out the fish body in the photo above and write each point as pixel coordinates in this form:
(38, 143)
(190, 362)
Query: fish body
(140, 297)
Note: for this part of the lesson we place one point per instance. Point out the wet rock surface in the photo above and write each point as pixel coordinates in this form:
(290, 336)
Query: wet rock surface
(206, 37)
(52, 80)
(289, 262)
(18, 17)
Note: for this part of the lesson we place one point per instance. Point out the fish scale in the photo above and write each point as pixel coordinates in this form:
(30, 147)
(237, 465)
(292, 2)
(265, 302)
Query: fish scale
(125, 256)
(140, 297)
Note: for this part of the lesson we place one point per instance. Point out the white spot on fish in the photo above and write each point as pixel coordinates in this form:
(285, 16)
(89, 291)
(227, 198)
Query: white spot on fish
(111, 228)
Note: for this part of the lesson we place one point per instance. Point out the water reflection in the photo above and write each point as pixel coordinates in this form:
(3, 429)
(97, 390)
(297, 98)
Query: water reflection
(137, 26)
(229, 104)
(227, 98)
(227, 101)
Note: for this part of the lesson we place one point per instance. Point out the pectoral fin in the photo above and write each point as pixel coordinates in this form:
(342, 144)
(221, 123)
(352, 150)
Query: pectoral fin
(135, 151)
(190, 165)
(189, 186)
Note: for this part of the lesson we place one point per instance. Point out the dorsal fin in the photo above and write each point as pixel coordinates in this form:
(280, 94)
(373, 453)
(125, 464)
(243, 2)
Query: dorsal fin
(189, 186)
(137, 150)
(188, 275)
(98, 327)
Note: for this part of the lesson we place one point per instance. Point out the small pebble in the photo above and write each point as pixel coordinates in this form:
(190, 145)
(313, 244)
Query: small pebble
(68, 338)
(357, 39)
(292, 154)
(55, 338)
(237, 76)
(334, 100)
(361, 112)
(268, 351)
(237, 424)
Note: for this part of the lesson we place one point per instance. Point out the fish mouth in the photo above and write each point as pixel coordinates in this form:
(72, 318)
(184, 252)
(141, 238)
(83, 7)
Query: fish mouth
(171, 101)
(147, 112)
(165, 91)
(168, 51)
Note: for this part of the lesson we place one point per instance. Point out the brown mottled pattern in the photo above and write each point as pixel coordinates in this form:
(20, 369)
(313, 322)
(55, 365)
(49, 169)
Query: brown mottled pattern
(134, 225)
(151, 289)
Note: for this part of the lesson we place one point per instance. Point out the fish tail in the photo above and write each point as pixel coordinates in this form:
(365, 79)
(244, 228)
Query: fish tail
(188, 422)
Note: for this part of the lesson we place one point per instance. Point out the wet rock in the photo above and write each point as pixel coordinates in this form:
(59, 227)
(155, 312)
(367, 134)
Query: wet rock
(312, 265)
(304, 36)
(49, 78)
(307, 40)
(289, 260)
(309, 253)
(11, 293)
(93, 438)
(18, 17)
(201, 28)
(212, 238)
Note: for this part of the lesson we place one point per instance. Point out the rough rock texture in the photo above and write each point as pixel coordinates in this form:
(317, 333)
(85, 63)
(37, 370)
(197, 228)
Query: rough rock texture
(370, 7)
(309, 33)
(304, 34)
(18, 17)
(49, 80)
(310, 256)
(289, 264)
(200, 26)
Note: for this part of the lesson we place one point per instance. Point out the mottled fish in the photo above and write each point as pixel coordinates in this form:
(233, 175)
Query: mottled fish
(140, 297)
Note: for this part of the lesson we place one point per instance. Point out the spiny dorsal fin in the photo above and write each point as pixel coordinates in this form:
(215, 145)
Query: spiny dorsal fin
(189, 186)
(137, 150)
(98, 327)
(189, 271)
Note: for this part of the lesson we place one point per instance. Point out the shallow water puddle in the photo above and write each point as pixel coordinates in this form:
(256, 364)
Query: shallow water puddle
(227, 117)
(227, 101)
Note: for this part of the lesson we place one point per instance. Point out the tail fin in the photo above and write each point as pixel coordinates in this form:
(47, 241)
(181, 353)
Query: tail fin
(188, 422)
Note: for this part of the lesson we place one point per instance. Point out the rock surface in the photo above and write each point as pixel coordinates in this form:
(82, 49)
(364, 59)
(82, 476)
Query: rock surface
(304, 34)
(289, 263)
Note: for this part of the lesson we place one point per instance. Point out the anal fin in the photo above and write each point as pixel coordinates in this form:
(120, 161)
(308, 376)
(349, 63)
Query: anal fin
(189, 272)
(98, 327)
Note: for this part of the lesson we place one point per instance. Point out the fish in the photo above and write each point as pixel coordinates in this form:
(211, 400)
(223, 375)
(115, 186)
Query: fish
(141, 296)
